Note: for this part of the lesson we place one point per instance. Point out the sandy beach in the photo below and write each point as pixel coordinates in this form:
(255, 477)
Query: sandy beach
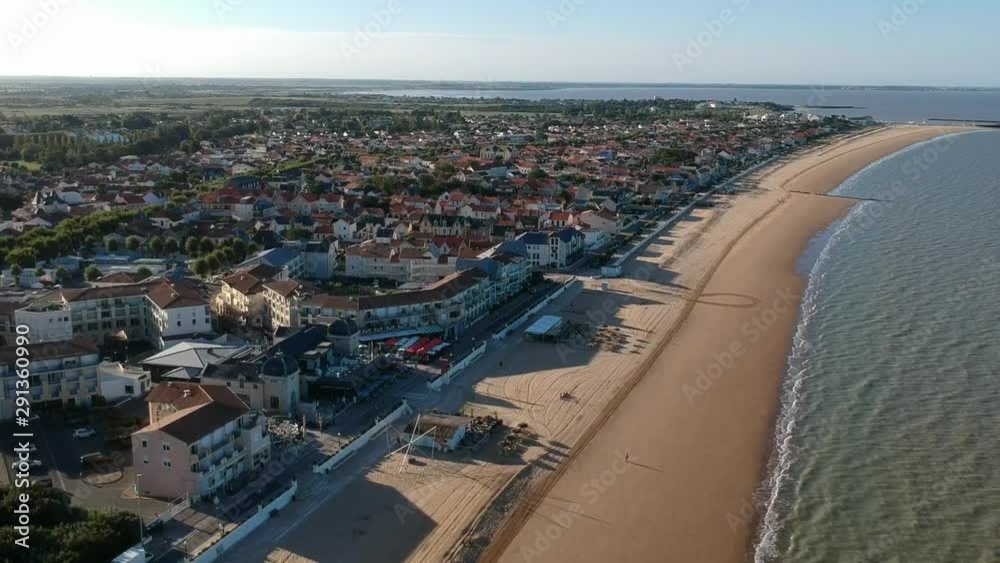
(680, 366)
(697, 425)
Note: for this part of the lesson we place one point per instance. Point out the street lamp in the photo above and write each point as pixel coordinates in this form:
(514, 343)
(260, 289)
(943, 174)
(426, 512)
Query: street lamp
(138, 498)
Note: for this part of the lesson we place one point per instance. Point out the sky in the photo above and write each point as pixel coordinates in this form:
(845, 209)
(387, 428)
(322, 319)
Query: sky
(864, 42)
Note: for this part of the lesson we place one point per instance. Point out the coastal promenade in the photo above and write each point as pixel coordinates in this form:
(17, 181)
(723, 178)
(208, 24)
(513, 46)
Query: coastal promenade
(463, 506)
(696, 418)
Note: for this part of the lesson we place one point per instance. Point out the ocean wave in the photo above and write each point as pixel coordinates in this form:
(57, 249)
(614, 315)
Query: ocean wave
(770, 498)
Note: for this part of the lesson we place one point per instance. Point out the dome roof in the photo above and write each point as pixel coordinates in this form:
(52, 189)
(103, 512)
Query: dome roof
(343, 327)
(279, 365)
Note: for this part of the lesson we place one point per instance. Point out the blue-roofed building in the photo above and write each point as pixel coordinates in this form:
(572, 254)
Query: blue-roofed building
(507, 266)
(288, 260)
(552, 249)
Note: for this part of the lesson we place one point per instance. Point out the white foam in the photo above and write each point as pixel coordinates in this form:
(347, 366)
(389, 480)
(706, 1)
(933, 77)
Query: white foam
(793, 399)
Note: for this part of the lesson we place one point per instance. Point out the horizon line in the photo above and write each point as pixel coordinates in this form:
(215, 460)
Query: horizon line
(459, 81)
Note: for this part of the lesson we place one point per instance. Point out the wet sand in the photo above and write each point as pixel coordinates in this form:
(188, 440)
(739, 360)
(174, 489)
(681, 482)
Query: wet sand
(696, 421)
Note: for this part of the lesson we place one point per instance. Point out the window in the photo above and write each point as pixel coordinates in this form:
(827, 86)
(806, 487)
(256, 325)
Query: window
(129, 389)
(144, 442)
(166, 447)
(274, 402)
(178, 322)
(145, 459)
(167, 464)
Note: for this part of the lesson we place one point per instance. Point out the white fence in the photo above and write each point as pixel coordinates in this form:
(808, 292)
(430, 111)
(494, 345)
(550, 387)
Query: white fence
(175, 509)
(361, 440)
(527, 315)
(456, 369)
(243, 530)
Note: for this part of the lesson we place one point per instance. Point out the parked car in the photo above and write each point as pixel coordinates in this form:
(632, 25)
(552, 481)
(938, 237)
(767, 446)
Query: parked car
(84, 432)
(94, 458)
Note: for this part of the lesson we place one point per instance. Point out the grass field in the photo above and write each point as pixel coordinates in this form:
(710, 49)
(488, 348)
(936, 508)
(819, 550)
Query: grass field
(31, 166)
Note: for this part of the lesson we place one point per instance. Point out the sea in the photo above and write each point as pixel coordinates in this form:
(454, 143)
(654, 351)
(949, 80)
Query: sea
(887, 447)
(890, 105)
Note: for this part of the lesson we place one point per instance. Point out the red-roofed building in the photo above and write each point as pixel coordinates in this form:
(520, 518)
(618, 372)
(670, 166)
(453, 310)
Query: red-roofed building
(199, 438)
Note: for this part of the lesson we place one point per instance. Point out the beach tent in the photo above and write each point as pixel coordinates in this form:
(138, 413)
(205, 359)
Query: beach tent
(428, 346)
(406, 343)
(420, 343)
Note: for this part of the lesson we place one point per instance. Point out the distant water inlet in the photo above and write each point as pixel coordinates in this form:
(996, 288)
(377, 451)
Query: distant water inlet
(893, 105)
(886, 444)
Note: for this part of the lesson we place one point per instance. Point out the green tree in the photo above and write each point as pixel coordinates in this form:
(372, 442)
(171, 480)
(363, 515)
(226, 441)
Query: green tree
(32, 152)
(39, 272)
(214, 263)
(192, 245)
(171, 246)
(133, 243)
(206, 246)
(240, 248)
(62, 275)
(156, 245)
(23, 257)
(15, 270)
(201, 268)
(144, 272)
(62, 533)
(112, 245)
(92, 273)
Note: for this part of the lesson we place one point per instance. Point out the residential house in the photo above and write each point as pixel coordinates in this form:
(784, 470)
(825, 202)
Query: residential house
(199, 438)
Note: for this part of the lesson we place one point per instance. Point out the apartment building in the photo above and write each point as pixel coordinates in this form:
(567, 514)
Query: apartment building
(403, 263)
(241, 299)
(371, 259)
(288, 260)
(508, 268)
(157, 310)
(199, 438)
(61, 373)
(553, 249)
(449, 306)
(281, 298)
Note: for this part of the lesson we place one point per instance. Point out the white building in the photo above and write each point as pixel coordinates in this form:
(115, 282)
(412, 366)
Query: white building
(117, 381)
(556, 249)
(59, 375)
(46, 321)
(156, 310)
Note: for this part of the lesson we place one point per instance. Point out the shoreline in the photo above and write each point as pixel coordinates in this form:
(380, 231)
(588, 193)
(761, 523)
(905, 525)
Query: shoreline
(645, 339)
(719, 411)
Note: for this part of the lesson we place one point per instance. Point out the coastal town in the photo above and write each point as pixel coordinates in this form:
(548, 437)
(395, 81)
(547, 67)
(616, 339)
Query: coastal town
(240, 318)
